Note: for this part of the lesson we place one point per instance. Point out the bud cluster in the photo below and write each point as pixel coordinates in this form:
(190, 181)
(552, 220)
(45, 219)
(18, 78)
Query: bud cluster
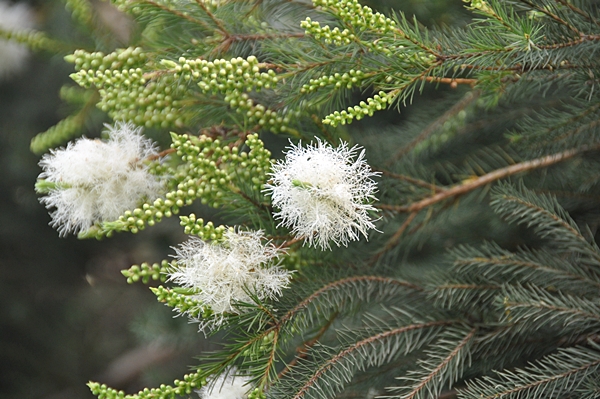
(81, 10)
(326, 34)
(233, 79)
(58, 134)
(145, 272)
(186, 386)
(347, 80)
(197, 227)
(126, 93)
(184, 304)
(368, 108)
(357, 16)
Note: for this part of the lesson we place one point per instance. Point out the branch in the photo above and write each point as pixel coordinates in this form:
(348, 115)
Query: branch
(470, 185)
(469, 98)
(553, 16)
(531, 386)
(395, 238)
(578, 11)
(211, 16)
(412, 180)
(441, 366)
(474, 183)
(453, 82)
(330, 286)
(303, 350)
(582, 38)
(177, 13)
(365, 342)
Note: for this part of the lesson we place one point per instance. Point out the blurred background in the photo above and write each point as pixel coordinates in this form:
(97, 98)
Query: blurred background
(68, 316)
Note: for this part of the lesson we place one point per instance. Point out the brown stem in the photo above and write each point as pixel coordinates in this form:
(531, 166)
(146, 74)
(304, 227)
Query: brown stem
(578, 11)
(582, 38)
(291, 242)
(451, 81)
(471, 184)
(161, 154)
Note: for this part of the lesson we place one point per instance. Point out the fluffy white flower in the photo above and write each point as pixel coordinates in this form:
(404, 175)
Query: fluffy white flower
(226, 386)
(98, 180)
(323, 193)
(223, 273)
(15, 17)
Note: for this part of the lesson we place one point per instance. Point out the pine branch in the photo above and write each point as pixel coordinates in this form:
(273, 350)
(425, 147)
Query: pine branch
(557, 375)
(467, 100)
(472, 184)
(548, 219)
(444, 364)
(373, 351)
(542, 268)
(535, 308)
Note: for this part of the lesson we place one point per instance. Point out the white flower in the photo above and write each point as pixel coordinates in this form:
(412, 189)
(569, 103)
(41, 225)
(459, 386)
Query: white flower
(17, 17)
(225, 272)
(226, 386)
(98, 180)
(323, 193)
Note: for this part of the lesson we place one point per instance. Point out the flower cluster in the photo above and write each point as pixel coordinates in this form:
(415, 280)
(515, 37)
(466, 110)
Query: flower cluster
(223, 273)
(323, 193)
(16, 17)
(94, 180)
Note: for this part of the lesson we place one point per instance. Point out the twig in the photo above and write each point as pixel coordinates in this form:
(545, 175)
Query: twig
(161, 154)
(443, 364)
(578, 11)
(451, 81)
(291, 242)
(177, 13)
(469, 98)
(303, 350)
(552, 15)
(471, 184)
(211, 16)
(360, 344)
(412, 180)
(395, 238)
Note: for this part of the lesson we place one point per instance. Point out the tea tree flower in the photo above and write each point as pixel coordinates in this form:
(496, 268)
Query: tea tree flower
(17, 17)
(222, 273)
(95, 180)
(226, 386)
(323, 193)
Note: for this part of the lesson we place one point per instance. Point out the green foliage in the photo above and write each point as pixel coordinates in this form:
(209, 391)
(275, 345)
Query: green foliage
(473, 270)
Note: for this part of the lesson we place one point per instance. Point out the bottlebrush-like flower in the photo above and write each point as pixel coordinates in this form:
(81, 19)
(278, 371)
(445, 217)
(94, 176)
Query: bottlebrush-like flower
(323, 193)
(17, 17)
(94, 180)
(222, 273)
(226, 386)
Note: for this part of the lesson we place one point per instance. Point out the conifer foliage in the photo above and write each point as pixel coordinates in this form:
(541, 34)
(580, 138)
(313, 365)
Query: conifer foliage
(450, 254)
